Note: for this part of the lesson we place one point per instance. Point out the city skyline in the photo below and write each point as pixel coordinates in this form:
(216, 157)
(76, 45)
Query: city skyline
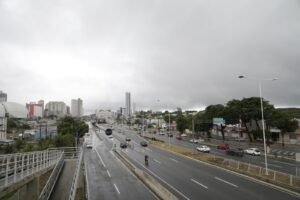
(100, 50)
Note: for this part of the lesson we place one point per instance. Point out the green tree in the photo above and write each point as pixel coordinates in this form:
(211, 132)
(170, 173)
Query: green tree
(283, 122)
(20, 144)
(180, 122)
(63, 140)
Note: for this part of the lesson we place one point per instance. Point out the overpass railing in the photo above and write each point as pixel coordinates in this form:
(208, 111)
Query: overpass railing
(47, 190)
(14, 167)
(74, 187)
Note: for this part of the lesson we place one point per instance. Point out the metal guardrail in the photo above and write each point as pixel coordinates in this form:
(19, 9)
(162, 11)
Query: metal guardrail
(14, 167)
(76, 176)
(47, 190)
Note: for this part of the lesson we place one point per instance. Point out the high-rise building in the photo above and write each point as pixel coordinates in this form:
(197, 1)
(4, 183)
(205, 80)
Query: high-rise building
(3, 97)
(76, 107)
(56, 108)
(35, 110)
(128, 104)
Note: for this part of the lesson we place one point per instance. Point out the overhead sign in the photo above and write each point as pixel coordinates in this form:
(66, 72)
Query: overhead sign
(218, 121)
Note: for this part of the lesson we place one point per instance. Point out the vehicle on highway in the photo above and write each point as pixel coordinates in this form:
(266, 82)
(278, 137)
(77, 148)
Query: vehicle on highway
(235, 152)
(223, 146)
(196, 140)
(178, 137)
(161, 133)
(203, 148)
(123, 145)
(144, 143)
(240, 139)
(252, 151)
(89, 145)
(108, 131)
(127, 139)
(110, 136)
(170, 135)
(183, 135)
(146, 159)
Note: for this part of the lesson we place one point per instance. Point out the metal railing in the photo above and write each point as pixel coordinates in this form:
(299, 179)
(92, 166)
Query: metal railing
(14, 167)
(47, 190)
(273, 176)
(76, 176)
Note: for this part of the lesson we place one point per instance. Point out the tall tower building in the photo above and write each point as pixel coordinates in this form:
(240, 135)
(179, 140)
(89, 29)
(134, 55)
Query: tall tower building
(128, 104)
(76, 107)
(3, 96)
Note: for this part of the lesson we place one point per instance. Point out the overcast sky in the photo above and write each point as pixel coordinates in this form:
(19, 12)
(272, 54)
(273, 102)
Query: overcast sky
(185, 53)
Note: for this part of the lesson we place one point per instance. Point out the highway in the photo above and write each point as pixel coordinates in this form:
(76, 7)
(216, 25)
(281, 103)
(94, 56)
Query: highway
(107, 177)
(195, 180)
(278, 164)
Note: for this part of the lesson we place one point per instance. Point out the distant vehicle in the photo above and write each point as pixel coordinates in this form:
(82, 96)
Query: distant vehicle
(127, 139)
(178, 137)
(110, 136)
(108, 131)
(170, 135)
(89, 145)
(203, 148)
(252, 151)
(123, 145)
(144, 144)
(240, 139)
(194, 141)
(235, 152)
(223, 146)
(183, 135)
(161, 133)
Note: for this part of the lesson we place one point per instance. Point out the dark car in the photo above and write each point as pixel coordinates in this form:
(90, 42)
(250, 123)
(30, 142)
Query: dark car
(178, 137)
(127, 139)
(235, 152)
(143, 143)
(170, 135)
(123, 145)
(108, 131)
(223, 146)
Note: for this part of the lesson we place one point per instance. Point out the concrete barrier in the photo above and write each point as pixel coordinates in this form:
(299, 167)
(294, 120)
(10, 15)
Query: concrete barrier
(159, 190)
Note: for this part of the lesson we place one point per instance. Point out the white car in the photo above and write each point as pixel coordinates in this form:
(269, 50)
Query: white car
(194, 141)
(89, 145)
(203, 148)
(183, 135)
(252, 151)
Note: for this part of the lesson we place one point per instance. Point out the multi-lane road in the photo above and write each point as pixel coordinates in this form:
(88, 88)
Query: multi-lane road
(186, 178)
(277, 164)
(107, 177)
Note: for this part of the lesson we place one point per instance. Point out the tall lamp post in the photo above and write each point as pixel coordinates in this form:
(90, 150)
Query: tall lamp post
(262, 116)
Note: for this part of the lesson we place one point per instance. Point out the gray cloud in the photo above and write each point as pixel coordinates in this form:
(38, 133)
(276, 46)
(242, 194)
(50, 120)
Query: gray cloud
(185, 53)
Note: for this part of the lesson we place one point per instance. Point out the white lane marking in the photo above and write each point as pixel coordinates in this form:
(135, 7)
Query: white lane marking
(199, 183)
(108, 173)
(284, 163)
(226, 182)
(272, 165)
(116, 187)
(100, 158)
(162, 180)
(157, 161)
(87, 182)
(174, 160)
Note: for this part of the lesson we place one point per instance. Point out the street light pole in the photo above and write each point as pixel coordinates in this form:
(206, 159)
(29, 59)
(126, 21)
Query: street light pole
(169, 127)
(262, 117)
(263, 126)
